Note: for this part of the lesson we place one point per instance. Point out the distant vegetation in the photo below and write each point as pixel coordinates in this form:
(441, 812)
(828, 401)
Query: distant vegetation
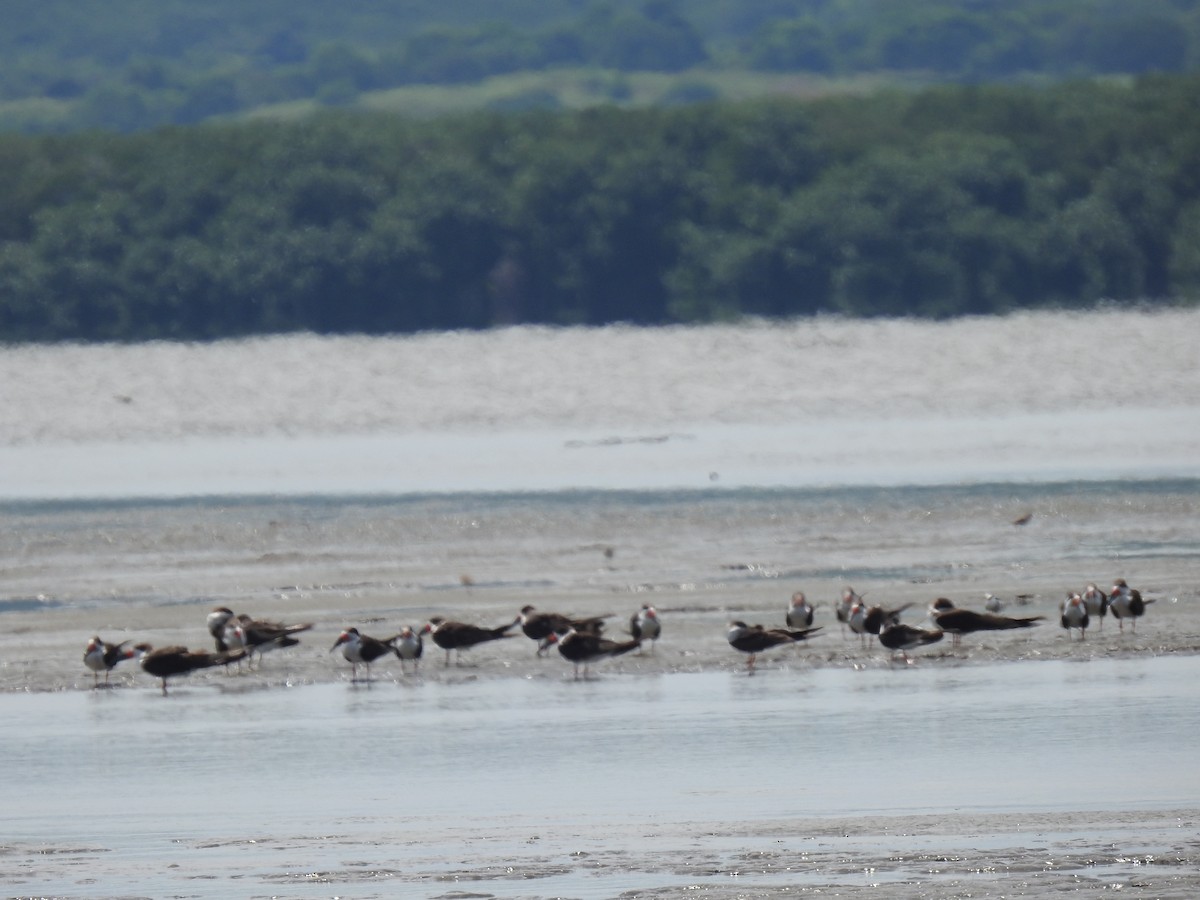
(129, 65)
(947, 201)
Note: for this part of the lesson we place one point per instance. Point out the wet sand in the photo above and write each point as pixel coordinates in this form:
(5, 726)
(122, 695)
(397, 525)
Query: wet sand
(41, 649)
(830, 782)
(1038, 855)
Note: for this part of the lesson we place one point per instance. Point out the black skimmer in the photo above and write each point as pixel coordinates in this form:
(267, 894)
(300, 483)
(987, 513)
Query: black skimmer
(1075, 615)
(1126, 603)
(899, 637)
(857, 620)
(585, 647)
(754, 639)
(458, 635)
(845, 605)
(255, 635)
(1096, 602)
(259, 636)
(410, 647)
(538, 626)
(361, 648)
(958, 622)
(101, 656)
(800, 612)
(645, 625)
(217, 621)
(167, 662)
(878, 618)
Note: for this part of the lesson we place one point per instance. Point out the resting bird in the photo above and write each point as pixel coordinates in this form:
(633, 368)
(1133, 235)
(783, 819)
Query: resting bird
(877, 618)
(644, 625)
(361, 648)
(101, 656)
(800, 611)
(410, 647)
(253, 635)
(754, 639)
(957, 622)
(167, 662)
(1096, 602)
(584, 647)
(902, 638)
(538, 626)
(1074, 613)
(845, 605)
(458, 635)
(1126, 603)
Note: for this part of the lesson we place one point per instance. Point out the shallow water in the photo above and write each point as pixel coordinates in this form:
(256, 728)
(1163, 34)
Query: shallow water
(476, 776)
(1035, 397)
(711, 471)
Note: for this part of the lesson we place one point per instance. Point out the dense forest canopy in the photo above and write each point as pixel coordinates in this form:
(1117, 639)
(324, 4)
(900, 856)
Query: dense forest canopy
(130, 65)
(951, 200)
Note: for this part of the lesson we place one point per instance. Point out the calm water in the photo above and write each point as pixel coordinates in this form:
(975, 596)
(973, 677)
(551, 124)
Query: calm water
(722, 465)
(207, 773)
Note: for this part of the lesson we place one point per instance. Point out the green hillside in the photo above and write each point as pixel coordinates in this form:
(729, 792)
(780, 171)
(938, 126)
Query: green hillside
(128, 65)
(941, 202)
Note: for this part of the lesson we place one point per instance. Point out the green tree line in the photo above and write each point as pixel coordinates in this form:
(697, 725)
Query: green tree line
(951, 201)
(129, 65)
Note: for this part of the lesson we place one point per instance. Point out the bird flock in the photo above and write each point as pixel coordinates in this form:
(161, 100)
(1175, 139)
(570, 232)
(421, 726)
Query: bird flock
(243, 639)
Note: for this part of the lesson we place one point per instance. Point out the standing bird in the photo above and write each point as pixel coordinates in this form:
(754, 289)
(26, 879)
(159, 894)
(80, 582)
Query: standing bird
(167, 662)
(857, 621)
(216, 622)
(259, 636)
(409, 646)
(101, 656)
(800, 612)
(992, 603)
(254, 635)
(846, 605)
(1126, 603)
(538, 626)
(644, 625)
(584, 647)
(898, 637)
(459, 635)
(878, 618)
(1096, 602)
(361, 648)
(754, 639)
(1075, 614)
(958, 622)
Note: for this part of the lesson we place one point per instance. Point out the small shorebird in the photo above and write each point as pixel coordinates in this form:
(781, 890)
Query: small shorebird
(800, 611)
(361, 648)
(878, 618)
(846, 605)
(101, 656)
(410, 647)
(456, 636)
(902, 638)
(645, 625)
(253, 635)
(1126, 603)
(582, 648)
(957, 622)
(167, 662)
(754, 639)
(1096, 602)
(1074, 614)
(538, 626)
